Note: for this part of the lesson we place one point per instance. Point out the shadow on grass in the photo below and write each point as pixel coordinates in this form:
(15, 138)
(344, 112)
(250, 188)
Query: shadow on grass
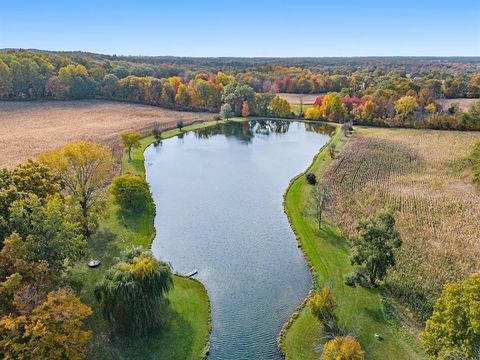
(333, 237)
(158, 341)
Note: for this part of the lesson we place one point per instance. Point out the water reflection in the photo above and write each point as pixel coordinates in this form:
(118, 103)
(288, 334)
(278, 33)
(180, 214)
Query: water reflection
(218, 196)
(245, 130)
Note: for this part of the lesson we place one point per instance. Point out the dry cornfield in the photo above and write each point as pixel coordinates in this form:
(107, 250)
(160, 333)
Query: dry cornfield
(425, 177)
(29, 128)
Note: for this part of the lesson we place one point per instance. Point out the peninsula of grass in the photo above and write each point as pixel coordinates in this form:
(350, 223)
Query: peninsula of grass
(187, 319)
(361, 312)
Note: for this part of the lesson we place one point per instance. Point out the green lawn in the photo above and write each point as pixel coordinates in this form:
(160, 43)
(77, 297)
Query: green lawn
(296, 108)
(359, 310)
(187, 326)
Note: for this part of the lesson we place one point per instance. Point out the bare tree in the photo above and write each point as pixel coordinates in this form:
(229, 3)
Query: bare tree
(320, 202)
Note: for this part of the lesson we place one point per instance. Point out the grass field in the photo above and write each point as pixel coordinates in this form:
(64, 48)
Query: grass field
(425, 177)
(306, 99)
(29, 128)
(463, 103)
(360, 310)
(187, 326)
(295, 99)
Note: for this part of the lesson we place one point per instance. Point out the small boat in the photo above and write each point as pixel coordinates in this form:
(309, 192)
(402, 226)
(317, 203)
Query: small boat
(191, 273)
(94, 263)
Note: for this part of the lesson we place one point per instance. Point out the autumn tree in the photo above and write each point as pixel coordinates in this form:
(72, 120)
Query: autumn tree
(131, 192)
(245, 109)
(342, 348)
(51, 331)
(129, 141)
(312, 113)
(262, 103)
(454, 327)
(332, 108)
(226, 111)
(280, 107)
(406, 106)
(373, 245)
(183, 96)
(84, 168)
(320, 202)
(132, 292)
(235, 94)
(323, 306)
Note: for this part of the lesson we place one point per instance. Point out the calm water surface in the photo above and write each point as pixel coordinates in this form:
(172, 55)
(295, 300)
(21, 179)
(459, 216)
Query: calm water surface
(219, 194)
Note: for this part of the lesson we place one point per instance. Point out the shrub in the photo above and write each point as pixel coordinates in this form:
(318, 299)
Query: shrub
(131, 192)
(350, 279)
(311, 178)
(342, 348)
(180, 125)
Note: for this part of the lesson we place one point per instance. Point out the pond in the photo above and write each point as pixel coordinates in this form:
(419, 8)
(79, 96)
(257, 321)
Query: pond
(219, 209)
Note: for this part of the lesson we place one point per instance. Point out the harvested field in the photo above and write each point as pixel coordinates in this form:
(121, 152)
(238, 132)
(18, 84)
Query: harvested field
(425, 177)
(463, 103)
(308, 99)
(29, 128)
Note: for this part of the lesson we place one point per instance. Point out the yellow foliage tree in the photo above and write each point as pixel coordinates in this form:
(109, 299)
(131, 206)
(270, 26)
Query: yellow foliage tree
(332, 108)
(322, 306)
(53, 330)
(405, 106)
(130, 140)
(84, 168)
(454, 327)
(342, 348)
(280, 107)
(312, 113)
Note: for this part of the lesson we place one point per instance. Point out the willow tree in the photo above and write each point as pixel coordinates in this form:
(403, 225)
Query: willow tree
(84, 168)
(133, 291)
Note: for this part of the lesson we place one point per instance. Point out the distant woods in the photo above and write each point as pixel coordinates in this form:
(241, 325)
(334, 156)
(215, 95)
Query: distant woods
(384, 92)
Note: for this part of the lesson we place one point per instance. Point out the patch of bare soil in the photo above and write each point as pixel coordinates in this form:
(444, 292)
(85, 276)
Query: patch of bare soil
(28, 128)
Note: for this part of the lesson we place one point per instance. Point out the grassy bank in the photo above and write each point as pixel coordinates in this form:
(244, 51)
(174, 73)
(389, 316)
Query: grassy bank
(360, 310)
(187, 319)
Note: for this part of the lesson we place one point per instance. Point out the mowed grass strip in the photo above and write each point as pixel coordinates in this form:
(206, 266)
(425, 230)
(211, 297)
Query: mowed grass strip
(187, 319)
(359, 310)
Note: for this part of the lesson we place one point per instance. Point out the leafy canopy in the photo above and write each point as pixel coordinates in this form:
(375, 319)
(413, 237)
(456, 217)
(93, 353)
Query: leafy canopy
(342, 348)
(373, 245)
(132, 292)
(454, 327)
(84, 168)
(130, 140)
(131, 192)
(52, 331)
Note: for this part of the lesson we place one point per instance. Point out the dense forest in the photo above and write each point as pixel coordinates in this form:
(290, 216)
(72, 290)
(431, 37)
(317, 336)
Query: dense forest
(375, 91)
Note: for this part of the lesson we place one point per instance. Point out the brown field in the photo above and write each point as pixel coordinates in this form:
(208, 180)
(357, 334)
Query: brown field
(29, 128)
(463, 103)
(426, 178)
(308, 99)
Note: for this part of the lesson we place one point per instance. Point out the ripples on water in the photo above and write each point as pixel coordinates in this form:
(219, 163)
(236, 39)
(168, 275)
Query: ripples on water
(218, 195)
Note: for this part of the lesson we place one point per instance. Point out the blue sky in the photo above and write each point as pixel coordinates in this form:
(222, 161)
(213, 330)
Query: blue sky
(245, 28)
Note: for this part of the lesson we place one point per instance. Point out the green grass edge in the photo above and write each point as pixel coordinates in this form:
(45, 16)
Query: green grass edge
(281, 339)
(137, 166)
